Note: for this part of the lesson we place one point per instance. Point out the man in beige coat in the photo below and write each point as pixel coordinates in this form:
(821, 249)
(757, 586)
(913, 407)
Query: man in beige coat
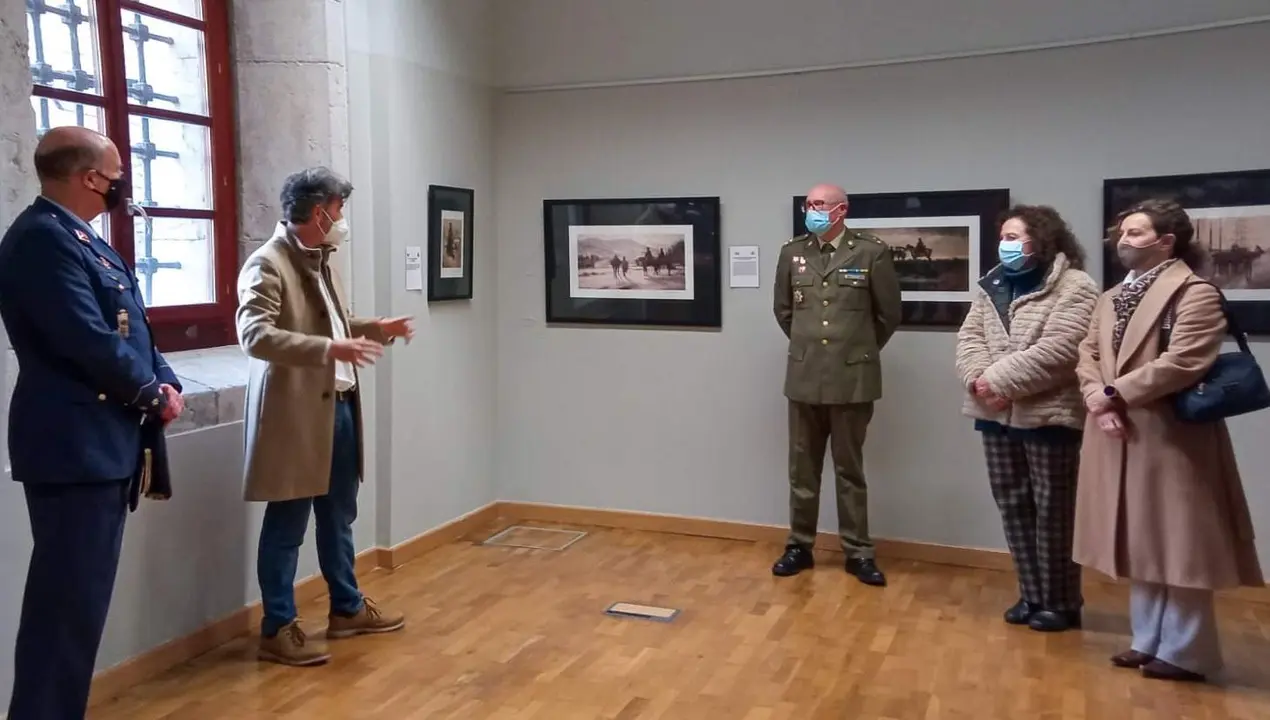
(1160, 501)
(303, 417)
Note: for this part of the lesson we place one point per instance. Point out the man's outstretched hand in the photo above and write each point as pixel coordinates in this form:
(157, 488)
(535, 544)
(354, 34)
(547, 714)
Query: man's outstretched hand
(358, 351)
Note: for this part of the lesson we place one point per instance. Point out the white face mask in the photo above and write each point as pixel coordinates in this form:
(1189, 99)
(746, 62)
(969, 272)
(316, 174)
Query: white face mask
(338, 232)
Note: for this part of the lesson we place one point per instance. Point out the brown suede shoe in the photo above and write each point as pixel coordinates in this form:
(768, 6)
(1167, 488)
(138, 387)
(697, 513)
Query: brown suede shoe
(1131, 659)
(370, 619)
(292, 647)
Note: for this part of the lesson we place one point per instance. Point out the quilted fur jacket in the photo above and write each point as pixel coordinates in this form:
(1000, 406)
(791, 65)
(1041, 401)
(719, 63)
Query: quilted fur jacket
(1026, 348)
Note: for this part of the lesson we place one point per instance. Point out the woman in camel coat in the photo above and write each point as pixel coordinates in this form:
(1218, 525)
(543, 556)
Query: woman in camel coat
(1159, 501)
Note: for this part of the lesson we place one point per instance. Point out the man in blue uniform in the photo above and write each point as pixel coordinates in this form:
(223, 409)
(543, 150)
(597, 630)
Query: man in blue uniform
(89, 379)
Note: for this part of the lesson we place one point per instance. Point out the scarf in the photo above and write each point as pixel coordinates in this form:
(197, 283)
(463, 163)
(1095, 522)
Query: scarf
(1128, 300)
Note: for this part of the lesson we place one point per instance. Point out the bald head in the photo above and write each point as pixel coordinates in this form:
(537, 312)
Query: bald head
(65, 152)
(826, 208)
(828, 195)
(81, 170)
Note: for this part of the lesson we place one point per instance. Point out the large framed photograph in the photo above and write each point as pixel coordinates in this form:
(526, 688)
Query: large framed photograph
(639, 261)
(941, 242)
(1231, 214)
(449, 243)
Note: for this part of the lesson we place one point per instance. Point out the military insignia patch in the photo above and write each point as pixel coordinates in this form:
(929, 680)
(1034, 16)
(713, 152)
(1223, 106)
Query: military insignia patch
(798, 297)
(82, 236)
(124, 326)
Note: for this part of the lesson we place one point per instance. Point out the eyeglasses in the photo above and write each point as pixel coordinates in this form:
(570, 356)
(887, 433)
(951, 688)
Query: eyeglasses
(818, 205)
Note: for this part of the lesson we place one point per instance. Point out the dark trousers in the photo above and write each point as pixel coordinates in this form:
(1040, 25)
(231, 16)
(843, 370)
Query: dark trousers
(843, 428)
(77, 532)
(1034, 484)
(282, 534)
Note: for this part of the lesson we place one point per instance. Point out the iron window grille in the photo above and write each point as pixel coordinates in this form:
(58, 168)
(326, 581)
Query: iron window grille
(90, 65)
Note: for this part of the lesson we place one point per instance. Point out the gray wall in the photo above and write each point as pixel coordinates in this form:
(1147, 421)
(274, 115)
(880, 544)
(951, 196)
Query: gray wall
(421, 112)
(694, 422)
(554, 42)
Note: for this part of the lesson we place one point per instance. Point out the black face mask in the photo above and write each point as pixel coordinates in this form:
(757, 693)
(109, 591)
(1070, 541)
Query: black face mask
(115, 194)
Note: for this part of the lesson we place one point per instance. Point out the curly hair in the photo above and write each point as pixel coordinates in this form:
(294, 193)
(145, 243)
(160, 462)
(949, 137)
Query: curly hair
(1050, 233)
(1167, 217)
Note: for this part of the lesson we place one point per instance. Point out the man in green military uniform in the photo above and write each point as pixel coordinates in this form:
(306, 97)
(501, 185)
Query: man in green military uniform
(837, 299)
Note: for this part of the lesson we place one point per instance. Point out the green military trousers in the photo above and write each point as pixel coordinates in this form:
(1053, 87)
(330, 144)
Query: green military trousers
(811, 427)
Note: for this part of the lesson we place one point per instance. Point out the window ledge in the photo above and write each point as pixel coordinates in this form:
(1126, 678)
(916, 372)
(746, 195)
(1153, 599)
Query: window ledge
(214, 384)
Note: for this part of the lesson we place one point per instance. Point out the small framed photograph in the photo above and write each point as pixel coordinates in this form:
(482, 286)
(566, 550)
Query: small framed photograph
(941, 243)
(1231, 214)
(633, 261)
(449, 243)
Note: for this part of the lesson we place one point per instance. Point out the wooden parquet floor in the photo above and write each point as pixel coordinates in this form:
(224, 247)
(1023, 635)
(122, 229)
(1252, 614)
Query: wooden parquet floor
(515, 634)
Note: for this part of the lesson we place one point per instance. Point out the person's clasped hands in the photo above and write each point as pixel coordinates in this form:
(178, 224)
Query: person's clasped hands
(983, 392)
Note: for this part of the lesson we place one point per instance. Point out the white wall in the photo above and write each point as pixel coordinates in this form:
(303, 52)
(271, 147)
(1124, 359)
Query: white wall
(705, 435)
(552, 42)
(421, 112)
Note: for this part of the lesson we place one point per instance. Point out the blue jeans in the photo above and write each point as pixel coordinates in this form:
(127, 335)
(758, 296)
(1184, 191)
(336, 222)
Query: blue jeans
(282, 534)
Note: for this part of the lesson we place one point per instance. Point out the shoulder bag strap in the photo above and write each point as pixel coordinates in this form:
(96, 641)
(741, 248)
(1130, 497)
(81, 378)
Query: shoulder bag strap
(1232, 326)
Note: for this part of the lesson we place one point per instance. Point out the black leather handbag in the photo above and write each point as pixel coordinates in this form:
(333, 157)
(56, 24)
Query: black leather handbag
(1234, 385)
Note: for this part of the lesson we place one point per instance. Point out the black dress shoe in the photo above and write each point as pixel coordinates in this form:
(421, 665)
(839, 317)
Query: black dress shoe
(795, 560)
(866, 571)
(1021, 613)
(1055, 620)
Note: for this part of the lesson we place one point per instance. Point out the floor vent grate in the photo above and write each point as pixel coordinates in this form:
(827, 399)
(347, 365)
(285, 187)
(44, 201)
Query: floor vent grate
(534, 538)
(642, 612)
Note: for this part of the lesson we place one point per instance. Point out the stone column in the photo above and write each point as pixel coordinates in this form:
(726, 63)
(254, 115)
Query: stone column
(292, 101)
(17, 120)
(17, 144)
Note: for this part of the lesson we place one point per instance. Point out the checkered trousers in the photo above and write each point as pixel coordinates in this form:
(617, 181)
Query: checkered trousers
(1034, 484)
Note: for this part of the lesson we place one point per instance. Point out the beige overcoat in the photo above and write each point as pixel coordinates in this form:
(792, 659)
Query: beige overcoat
(289, 418)
(1166, 505)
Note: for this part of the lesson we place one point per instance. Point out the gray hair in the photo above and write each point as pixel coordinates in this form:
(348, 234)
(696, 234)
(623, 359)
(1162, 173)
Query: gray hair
(305, 190)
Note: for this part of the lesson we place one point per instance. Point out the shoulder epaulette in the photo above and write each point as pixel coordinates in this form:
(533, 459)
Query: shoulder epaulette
(866, 236)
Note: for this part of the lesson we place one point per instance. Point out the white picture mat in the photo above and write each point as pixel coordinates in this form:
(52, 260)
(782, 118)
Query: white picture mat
(576, 232)
(970, 222)
(453, 272)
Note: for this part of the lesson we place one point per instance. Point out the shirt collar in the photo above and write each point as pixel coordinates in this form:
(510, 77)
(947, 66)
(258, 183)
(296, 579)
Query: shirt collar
(834, 241)
(1132, 276)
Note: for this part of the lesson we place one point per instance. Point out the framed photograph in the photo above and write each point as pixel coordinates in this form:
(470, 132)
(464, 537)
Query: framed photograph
(642, 261)
(1231, 213)
(941, 243)
(449, 243)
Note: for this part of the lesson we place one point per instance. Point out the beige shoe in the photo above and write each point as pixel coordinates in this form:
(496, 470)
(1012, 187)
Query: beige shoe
(292, 647)
(370, 619)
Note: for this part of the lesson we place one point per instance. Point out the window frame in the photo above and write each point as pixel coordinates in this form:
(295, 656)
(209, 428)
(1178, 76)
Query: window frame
(174, 327)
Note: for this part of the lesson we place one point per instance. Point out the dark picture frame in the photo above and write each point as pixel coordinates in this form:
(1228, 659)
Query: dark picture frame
(1195, 192)
(585, 242)
(988, 205)
(450, 265)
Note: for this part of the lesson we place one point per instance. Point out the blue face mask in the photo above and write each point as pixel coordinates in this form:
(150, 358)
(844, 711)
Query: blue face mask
(1011, 254)
(817, 221)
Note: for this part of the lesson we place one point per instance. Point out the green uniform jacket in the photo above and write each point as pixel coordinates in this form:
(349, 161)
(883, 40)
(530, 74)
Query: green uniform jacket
(838, 314)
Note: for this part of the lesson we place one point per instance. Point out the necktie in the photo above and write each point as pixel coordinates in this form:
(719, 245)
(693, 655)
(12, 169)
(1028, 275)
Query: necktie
(826, 249)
